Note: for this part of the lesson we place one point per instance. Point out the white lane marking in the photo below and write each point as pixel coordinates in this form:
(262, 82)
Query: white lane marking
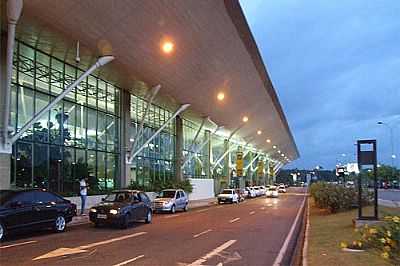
(279, 258)
(262, 208)
(220, 207)
(172, 216)
(68, 251)
(202, 233)
(203, 210)
(129, 261)
(212, 253)
(18, 244)
(269, 205)
(234, 220)
(252, 212)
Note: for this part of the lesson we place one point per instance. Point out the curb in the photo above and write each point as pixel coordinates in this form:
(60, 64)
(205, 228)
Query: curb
(306, 235)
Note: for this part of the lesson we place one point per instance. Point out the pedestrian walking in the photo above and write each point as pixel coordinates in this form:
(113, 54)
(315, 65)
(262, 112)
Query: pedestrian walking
(83, 186)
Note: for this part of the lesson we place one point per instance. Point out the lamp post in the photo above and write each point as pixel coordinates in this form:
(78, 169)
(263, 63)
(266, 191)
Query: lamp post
(392, 155)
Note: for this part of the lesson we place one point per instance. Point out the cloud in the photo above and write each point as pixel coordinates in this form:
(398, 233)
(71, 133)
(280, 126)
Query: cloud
(335, 67)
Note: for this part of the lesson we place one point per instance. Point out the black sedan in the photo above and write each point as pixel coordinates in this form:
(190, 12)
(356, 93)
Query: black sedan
(122, 207)
(33, 209)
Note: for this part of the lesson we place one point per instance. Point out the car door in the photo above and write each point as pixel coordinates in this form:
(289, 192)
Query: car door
(45, 207)
(143, 205)
(21, 211)
(178, 199)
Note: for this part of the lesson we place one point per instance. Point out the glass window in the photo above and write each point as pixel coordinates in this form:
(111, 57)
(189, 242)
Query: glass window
(79, 137)
(45, 197)
(24, 198)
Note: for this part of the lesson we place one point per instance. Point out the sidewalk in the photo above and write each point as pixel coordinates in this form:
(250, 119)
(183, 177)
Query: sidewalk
(84, 219)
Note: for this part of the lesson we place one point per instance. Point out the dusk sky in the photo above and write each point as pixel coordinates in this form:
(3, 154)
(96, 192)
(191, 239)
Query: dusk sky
(336, 68)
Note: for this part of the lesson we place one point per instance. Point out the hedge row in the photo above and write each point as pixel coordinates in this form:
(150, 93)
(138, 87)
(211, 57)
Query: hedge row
(336, 197)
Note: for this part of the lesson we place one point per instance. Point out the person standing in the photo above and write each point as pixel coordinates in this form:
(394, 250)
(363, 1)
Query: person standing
(83, 186)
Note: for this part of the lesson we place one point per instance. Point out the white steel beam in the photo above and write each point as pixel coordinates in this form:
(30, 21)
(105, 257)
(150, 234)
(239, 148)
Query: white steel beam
(149, 98)
(14, 9)
(177, 112)
(200, 147)
(222, 157)
(198, 132)
(252, 161)
(100, 62)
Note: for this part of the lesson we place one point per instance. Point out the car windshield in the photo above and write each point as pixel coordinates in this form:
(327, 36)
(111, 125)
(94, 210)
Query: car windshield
(118, 197)
(5, 195)
(226, 191)
(167, 194)
(272, 189)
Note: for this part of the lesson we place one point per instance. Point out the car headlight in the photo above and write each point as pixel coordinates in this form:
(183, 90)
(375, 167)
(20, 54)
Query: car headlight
(112, 211)
(166, 203)
(93, 210)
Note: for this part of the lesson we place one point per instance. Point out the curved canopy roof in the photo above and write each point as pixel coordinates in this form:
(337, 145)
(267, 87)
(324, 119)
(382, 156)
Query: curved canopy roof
(214, 51)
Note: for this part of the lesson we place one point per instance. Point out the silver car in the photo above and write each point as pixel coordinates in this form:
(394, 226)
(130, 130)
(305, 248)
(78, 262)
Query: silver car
(171, 200)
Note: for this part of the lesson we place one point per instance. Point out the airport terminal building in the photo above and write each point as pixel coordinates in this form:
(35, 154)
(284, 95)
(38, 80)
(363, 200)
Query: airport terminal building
(135, 92)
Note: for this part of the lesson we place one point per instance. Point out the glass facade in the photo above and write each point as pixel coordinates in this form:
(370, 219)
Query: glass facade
(78, 137)
(195, 167)
(155, 163)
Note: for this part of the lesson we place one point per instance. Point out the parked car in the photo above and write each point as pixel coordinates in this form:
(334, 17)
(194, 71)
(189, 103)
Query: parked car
(281, 189)
(272, 192)
(121, 207)
(228, 195)
(33, 209)
(171, 200)
(257, 191)
(251, 193)
(263, 190)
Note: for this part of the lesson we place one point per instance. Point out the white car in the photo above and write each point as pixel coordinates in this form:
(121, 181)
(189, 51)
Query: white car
(228, 195)
(251, 192)
(257, 190)
(263, 190)
(282, 189)
(272, 192)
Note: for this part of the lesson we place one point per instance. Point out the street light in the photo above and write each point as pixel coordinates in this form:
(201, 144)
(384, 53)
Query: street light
(393, 156)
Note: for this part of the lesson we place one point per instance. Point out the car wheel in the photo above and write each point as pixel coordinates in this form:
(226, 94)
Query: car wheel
(186, 208)
(2, 232)
(125, 222)
(173, 209)
(60, 224)
(149, 217)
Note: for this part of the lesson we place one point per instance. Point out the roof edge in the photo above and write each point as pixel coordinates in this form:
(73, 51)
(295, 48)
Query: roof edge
(238, 18)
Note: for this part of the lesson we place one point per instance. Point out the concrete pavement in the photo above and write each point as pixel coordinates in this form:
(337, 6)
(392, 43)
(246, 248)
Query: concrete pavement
(249, 233)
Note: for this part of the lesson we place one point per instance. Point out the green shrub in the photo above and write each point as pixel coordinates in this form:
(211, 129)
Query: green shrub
(336, 197)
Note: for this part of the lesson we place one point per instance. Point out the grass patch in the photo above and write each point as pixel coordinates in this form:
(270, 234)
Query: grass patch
(328, 230)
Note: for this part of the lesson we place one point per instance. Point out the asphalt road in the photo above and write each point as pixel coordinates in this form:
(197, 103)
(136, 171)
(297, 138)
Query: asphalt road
(249, 233)
(389, 194)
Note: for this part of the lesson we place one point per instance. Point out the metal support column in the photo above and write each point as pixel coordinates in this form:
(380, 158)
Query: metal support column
(125, 136)
(178, 148)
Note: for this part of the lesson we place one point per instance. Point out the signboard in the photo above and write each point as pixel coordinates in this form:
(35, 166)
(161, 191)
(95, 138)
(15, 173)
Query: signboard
(239, 163)
(353, 168)
(260, 168)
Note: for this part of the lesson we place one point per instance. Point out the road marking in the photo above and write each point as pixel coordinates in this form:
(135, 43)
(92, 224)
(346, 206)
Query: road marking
(68, 251)
(172, 216)
(212, 253)
(279, 258)
(234, 220)
(252, 212)
(220, 207)
(18, 244)
(202, 233)
(203, 210)
(262, 208)
(269, 205)
(129, 261)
